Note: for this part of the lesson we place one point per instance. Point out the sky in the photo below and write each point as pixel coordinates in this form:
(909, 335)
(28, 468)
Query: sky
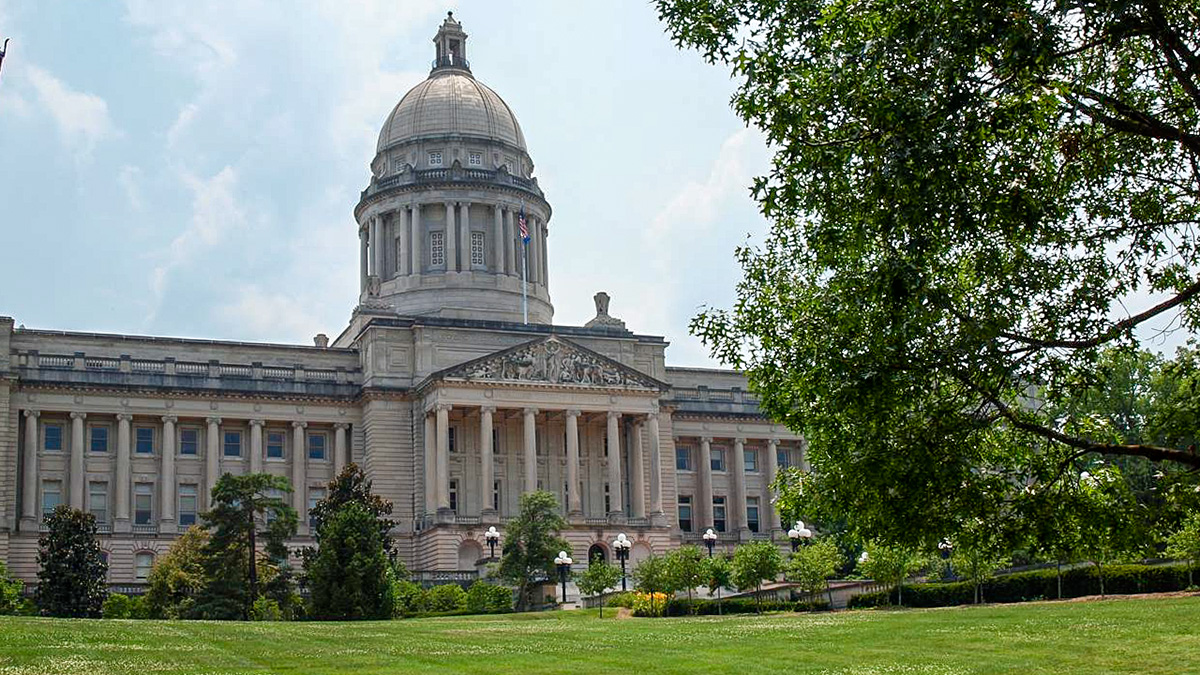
(190, 168)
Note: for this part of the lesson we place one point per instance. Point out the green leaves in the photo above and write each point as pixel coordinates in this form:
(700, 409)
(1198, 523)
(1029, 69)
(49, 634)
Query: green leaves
(71, 568)
(531, 541)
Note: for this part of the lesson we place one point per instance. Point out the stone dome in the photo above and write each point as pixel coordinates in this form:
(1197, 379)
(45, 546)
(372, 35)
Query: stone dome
(451, 103)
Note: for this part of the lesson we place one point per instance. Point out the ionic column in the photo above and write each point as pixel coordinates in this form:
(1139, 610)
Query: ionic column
(299, 474)
(377, 246)
(124, 472)
(544, 232)
(415, 244)
(617, 504)
(77, 476)
(768, 509)
(637, 480)
(166, 492)
(339, 447)
(739, 484)
(531, 254)
(29, 477)
(363, 261)
(464, 234)
(574, 500)
(486, 466)
(431, 499)
(531, 449)
(705, 473)
(212, 457)
(498, 240)
(451, 239)
(443, 456)
(656, 507)
(510, 244)
(256, 445)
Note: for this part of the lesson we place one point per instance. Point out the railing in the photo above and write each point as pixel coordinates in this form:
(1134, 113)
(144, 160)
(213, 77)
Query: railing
(170, 367)
(429, 578)
(191, 369)
(104, 528)
(274, 373)
(102, 364)
(714, 395)
(321, 374)
(56, 362)
(594, 520)
(145, 529)
(452, 174)
(450, 61)
(144, 366)
(236, 371)
(638, 522)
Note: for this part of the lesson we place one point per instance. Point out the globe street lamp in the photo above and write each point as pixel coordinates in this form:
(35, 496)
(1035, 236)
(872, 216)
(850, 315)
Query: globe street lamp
(947, 549)
(492, 537)
(710, 539)
(621, 547)
(799, 533)
(563, 561)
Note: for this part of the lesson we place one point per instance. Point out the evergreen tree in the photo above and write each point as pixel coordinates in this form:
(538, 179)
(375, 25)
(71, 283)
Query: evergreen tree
(71, 567)
(530, 545)
(349, 575)
(177, 575)
(352, 486)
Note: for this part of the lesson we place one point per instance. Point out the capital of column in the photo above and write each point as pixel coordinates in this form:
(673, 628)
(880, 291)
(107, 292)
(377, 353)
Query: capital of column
(124, 417)
(489, 409)
(772, 443)
(613, 414)
(78, 415)
(299, 425)
(213, 420)
(341, 426)
(739, 441)
(531, 411)
(170, 419)
(573, 413)
(443, 407)
(257, 423)
(33, 413)
(706, 439)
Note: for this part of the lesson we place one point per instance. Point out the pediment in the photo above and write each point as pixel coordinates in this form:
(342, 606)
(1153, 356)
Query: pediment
(552, 361)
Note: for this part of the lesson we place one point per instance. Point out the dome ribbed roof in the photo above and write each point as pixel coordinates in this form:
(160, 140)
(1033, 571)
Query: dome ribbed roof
(451, 103)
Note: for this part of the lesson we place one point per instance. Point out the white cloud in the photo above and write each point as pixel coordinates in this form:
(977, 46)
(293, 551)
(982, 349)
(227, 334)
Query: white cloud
(129, 178)
(276, 317)
(82, 119)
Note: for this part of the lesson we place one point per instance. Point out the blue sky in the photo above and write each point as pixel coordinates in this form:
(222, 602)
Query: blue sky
(190, 168)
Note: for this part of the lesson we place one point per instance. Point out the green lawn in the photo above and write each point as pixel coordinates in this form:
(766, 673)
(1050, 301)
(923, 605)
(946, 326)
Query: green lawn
(1124, 635)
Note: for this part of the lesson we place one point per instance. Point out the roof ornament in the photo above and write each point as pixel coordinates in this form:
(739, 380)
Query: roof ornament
(603, 319)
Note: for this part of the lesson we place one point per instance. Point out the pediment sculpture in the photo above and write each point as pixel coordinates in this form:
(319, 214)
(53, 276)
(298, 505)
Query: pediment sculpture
(555, 362)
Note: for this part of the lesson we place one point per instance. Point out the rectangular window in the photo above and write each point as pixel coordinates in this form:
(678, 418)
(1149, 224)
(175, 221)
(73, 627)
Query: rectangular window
(496, 441)
(751, 460)
(451, 445)
(99, 441)
(315, 494)
(496, 495)
(273, 493)
(275, 443)
(435, 159)
(752, 513)
(316, 446)
(98, 501)
(475, 159)
(189, 442)
(454, 496)
(143, 502)
(719, 513)
(145, 441)
(51, 495)
(607, 500)
(477, 248)
(437, 249)
(52, 437)
(683, 458)
(188, 498)
(233, 444)
(718, 459)
(685, 513)
(781, 455)
(142, 563)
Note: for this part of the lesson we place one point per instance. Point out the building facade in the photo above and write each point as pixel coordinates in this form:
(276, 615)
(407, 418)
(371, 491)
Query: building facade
(450, 386)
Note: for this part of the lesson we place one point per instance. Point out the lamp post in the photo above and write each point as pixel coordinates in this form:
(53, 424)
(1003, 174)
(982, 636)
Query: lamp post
(492, 537)
(947, 549)
(710, 539)
(563, 561)
(799, 533)
(621, 547)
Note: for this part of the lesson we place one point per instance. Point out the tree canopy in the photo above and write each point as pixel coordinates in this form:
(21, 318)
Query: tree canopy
(71, 567)
(531, 541)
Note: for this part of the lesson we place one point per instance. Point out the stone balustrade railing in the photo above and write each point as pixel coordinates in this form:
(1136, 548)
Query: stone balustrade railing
(452, 175)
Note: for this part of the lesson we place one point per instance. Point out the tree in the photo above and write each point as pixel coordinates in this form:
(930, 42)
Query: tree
(530, 545)
(718, 574)
(1113, 523)
(10, 592)
(599, 577)
(812, 566)
(653, 577)
(685, 565)
(965, 196)
(240, 506)
(352, 486)
(978, 552)
(177, 575)
(71, 567)
(349, 576)
(890, 565)
(1184, 543)
(753, 563)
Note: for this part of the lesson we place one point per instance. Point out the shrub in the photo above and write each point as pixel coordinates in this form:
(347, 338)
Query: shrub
(447, 598)
(621, 600)
(117, 606)
(265, 609)
(10, 592)
(71, 568)
(485, 598)
(176, 575)
(650, 604)
(410, 599)
(679, 606)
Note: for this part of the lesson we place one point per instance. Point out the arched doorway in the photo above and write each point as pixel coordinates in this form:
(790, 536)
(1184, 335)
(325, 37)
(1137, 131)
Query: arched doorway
(596, 551)
(641, 551)
(469, 552)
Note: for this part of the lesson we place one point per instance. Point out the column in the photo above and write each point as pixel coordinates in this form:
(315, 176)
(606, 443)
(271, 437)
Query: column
(531, 449)
(443, 456)
(637, 476)
(768, 509)
(545, 233)
(705, 479)
(656, 507)
(415, 244)
(574, 501)
(451, 239)
(339, 447)
(124, 471)
(299, 474)
(362, 259)
(212, 457)
(486, 465)
(531, 254)
(431, 499)
(498, 240)
(166, 491)
(77, 473)
(616, 503)
(29, 475)
(510, 242)
(377, 246)
(256, 445)
(464, 235)
(739, 485)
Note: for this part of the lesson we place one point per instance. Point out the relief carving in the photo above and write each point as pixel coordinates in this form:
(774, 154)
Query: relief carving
(554, 362)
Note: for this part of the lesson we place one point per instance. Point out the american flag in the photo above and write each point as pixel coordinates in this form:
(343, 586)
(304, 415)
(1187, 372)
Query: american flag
(521, 226)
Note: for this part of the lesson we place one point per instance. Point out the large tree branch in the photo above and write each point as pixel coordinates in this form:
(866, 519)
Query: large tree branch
(1127, 118)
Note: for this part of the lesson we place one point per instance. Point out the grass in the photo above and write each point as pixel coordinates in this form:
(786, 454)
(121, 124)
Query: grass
(1152, 635)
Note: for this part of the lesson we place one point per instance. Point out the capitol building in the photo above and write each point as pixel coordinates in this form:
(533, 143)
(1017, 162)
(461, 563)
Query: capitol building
(451, 385)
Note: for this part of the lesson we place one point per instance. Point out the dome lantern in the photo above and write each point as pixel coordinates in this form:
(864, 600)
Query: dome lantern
(451, 46)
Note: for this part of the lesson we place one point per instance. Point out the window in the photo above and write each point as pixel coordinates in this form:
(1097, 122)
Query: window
(607, 500)
(496, 495)
(719, 514)
(454, 496)
(316, 446)
(751, 460)
(718, 459)
(98, 501)
(437, 249)
(477, 248)
(315, 494)
(233, 444)
(475, 159)
(752, 513)
(99, 442)
(142, 562)
(781, 455)
(683, 459)
(143, 501)
(451, 445)
(685, 513)
(51, 495)
(275, 443)
(52, 435)
(189, 442)
(187, 505)
(495, 440)
(145, 441)
(435, 159)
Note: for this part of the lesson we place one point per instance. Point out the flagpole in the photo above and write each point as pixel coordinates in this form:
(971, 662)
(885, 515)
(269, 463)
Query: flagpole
(524, 281)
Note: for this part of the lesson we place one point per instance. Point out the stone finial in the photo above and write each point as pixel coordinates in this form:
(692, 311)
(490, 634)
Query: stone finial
(603, 319)
(321, 340)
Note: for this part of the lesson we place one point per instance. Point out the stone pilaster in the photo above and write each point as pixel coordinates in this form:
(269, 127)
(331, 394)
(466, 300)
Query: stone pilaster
(498, 239)
(256, 446)
(166, 509)
(78, 475)
(616, 502)
(339, 447)
(704, 473)
(212, 457)
(123, 488)
(656, 500)
(531, 467)
(637, 475)
(486, 462)
(768, 509)
(416, 243)
(574, 502)
(29, 473)
(443, 456)
(451, 239)
(739, 487)
(431, 498)
(300, 474)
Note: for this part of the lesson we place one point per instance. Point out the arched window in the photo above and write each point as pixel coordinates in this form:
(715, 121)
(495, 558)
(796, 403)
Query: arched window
(142, 562)
(596, 551)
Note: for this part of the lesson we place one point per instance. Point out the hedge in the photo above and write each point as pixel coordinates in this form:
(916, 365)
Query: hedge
(681, 607)
(1037, 585)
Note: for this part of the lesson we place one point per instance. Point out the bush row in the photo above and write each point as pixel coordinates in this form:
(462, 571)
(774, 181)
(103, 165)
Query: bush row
(451, 599)
(1037, 585)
